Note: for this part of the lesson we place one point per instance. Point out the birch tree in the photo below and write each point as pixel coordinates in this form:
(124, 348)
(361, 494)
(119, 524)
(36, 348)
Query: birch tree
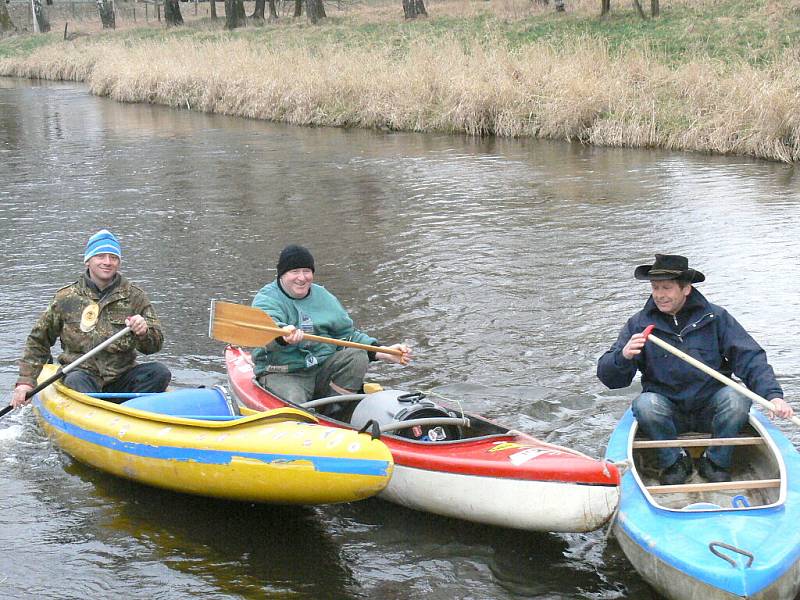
(40, 22)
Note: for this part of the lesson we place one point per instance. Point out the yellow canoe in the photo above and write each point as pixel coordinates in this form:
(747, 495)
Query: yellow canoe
(281, 456)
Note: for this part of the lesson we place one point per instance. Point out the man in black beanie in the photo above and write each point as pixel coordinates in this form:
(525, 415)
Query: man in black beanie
(298, 370)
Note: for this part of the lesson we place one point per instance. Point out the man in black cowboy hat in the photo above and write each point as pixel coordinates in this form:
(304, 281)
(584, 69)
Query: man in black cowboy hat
(676, 397)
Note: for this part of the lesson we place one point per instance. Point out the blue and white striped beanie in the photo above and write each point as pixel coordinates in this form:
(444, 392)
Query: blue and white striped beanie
(102, 242)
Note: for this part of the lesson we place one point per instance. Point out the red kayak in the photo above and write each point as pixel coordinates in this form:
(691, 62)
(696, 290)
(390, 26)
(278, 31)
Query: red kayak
(462, 465)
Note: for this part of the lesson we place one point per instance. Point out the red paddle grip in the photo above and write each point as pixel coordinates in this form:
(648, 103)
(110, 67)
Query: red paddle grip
(647, 331)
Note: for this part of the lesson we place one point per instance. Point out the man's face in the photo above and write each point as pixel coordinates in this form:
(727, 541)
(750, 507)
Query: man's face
(103, 268)
(297, 282)
(669, 296)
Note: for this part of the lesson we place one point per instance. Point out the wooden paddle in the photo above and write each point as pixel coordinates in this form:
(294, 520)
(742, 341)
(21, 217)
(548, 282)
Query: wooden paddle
(711, 372)
(252, 327)
(61, 372)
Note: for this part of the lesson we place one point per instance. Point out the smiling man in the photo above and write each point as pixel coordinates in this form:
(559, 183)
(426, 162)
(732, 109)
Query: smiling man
(298, 370)
(88, 312)
(676, 397)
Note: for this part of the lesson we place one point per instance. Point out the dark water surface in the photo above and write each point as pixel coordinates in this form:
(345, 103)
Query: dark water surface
(506, 264)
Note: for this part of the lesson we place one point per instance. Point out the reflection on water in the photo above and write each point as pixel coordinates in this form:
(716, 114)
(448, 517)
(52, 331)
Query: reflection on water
(506, 264)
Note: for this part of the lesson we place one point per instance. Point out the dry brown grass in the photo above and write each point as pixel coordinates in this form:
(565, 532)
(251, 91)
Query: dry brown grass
(578, 91)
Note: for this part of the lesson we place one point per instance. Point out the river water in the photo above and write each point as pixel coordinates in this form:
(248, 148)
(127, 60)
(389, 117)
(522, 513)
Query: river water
(507, 264)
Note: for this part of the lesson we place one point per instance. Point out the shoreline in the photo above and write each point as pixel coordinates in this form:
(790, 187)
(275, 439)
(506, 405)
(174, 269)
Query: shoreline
(414, 77)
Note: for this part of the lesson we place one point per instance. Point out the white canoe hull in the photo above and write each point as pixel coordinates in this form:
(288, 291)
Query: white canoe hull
(514, 503)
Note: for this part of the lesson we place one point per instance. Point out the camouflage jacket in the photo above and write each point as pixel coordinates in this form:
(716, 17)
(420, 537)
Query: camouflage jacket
(62, 320)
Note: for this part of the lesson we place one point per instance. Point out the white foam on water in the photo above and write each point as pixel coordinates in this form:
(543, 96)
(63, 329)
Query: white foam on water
(12, 432)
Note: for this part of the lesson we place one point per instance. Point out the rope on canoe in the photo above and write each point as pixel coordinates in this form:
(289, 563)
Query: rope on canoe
(622, 466)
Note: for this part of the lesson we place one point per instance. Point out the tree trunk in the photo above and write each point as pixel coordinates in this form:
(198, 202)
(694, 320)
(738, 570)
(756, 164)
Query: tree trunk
(5, 19)
(240, 12)
(654, 8)
(258, 11)
(605, 7)
(232, 19)
(213, 6)
(298, 8)
(106, 10)
(639, 8)
(40, 22)
(414, 8)
(273, 11)
(315, 10)
(172, 13)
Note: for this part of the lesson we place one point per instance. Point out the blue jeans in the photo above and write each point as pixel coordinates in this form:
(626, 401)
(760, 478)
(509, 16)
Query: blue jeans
(143, 378)
(723, 415)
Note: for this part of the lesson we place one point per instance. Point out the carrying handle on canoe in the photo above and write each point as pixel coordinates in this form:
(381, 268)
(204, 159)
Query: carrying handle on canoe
(64, 370)
(710, 372)
(712, 546)
(252, 327)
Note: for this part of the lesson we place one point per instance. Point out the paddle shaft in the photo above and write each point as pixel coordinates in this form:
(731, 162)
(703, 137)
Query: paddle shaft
(235, 323)
(711, 372)
(61, 372)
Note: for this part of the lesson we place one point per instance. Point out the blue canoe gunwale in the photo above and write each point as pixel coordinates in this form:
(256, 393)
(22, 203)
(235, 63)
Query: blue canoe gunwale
(665, 543)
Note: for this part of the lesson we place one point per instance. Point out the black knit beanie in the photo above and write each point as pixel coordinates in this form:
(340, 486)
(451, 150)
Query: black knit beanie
(294, 257)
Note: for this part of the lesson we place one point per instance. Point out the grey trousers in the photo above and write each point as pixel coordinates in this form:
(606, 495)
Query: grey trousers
(345, 368)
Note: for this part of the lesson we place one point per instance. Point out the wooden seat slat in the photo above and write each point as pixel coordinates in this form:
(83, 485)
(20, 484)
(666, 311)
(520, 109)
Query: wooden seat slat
(688, 488)
(693, 442)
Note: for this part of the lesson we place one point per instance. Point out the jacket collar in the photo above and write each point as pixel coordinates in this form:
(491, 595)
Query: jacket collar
(695, 302)
(118, 286)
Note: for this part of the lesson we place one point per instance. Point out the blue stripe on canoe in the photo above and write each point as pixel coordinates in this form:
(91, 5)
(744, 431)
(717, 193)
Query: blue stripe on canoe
(323, 464)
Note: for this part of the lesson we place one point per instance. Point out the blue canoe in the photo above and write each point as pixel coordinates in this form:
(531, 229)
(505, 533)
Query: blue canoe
(700, 540)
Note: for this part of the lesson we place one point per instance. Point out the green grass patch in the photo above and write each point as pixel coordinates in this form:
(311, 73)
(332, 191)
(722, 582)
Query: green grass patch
(730, 31)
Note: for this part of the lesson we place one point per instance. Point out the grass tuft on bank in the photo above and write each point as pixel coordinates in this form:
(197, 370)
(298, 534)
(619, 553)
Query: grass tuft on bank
(718, 76)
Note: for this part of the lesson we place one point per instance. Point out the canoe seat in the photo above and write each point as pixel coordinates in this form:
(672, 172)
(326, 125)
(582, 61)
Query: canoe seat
(688, 488)
(690, 442)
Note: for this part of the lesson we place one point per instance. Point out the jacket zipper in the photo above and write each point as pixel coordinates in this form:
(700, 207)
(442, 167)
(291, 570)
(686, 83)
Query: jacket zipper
(692, 325)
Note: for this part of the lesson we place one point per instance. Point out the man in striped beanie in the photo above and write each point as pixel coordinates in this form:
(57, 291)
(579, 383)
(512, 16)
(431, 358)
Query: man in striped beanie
(86, 313)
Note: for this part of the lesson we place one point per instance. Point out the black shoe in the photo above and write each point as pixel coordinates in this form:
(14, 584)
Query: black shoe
(712, 472)
(678, 472)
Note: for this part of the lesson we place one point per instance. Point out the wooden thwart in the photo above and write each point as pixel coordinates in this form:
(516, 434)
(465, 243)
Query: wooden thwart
(252, 327)
(687, 488)
(687, 443)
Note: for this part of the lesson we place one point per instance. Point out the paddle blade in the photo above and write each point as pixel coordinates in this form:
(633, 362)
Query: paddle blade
(241, 325)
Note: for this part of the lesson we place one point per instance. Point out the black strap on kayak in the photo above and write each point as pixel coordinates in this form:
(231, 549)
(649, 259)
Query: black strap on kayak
(375, 429)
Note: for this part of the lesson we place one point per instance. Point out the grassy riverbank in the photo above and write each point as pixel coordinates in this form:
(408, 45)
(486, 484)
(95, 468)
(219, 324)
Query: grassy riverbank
(718, 76)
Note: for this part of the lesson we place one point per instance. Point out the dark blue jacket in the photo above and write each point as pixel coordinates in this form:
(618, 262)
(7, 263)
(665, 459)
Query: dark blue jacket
(710, 335)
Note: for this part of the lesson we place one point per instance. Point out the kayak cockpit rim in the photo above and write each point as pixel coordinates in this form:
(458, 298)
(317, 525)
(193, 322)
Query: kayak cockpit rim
(703, 507)
(469, 421)
(70, 395)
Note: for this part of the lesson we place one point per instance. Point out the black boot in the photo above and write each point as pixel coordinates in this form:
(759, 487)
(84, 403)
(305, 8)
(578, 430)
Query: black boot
(712, 472)
(678, 472)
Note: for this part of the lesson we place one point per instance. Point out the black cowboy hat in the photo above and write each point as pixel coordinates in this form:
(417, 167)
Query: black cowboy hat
(669, 266)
